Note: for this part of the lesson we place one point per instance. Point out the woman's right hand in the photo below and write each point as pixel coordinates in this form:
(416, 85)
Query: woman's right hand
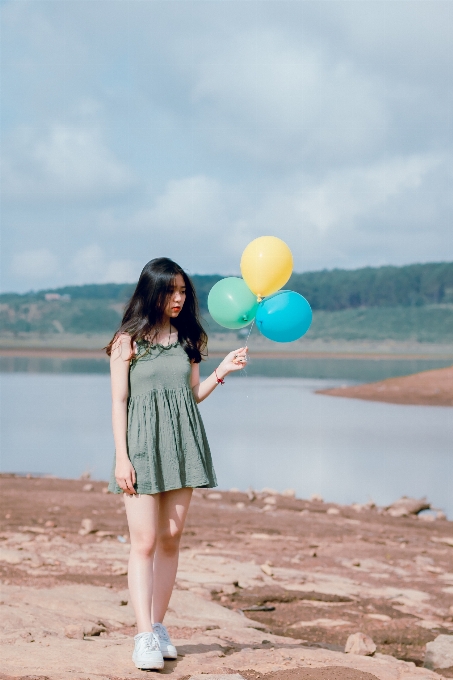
(125, 476)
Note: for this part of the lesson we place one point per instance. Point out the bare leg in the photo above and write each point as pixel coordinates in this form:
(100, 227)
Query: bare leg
(142, 515)
(173, 507)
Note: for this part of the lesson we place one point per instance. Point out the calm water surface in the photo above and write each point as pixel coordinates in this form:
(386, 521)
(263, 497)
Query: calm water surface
(362, 370)
(263, 432)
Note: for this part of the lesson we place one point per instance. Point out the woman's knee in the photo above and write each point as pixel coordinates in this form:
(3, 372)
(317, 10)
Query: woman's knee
(144, 544)
(168, 539)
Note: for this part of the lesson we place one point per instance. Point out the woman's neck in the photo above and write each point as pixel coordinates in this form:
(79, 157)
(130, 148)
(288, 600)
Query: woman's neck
(164, 335)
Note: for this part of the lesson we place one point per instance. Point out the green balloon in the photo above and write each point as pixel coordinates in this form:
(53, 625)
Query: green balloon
(231, 303)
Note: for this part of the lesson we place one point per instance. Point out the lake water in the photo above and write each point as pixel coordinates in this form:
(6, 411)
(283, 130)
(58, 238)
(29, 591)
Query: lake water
(361, 370)
(263, 431)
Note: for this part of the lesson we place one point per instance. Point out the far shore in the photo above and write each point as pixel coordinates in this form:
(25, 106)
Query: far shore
(429, 388)
(90, 346)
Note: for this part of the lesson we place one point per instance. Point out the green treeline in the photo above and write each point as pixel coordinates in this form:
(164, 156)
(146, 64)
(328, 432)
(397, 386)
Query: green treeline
(331, 290)
(415, 284)
(414, 301)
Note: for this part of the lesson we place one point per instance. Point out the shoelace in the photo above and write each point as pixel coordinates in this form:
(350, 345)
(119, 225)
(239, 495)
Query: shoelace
(150, 643)
(161, 631)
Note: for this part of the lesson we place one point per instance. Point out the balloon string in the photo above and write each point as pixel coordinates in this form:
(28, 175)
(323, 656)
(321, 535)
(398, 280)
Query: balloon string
(250, 330)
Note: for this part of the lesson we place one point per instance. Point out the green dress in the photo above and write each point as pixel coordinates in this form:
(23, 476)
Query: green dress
(166, 440)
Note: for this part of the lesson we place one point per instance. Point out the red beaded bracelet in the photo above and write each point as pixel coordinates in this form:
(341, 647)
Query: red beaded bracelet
(219, 380)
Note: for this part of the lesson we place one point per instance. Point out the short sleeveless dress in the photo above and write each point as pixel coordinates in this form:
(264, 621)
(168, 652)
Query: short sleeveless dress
(166, 439)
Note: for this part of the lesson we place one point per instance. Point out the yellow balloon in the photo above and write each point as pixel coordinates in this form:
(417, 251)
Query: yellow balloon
(266, 265)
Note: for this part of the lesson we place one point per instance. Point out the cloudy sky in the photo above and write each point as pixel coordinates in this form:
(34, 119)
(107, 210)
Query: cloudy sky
(186, 128)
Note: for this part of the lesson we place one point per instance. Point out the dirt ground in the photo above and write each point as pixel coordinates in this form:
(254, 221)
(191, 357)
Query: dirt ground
(429, 388)
(308, 571)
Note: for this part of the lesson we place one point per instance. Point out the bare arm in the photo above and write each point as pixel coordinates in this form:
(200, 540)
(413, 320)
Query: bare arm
(119, 371)
(234, 361)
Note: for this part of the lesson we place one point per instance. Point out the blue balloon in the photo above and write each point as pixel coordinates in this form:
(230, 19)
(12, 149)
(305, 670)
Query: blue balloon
(284, 317)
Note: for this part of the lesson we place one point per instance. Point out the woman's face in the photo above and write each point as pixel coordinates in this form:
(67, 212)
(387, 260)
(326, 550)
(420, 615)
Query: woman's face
(176, 298)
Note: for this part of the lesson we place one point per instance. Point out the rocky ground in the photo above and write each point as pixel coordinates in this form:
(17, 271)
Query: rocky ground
(429, 388)
(269, 586)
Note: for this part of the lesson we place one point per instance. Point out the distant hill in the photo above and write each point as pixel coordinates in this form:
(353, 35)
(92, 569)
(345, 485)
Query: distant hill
(351, 295)
(331, 290)
(415, 284)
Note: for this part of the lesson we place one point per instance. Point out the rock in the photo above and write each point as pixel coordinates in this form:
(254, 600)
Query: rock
(49, 524)
(78, 631)
(94, 630)
(441, 515)
(87, 527)
(214, 496)
(443, 539)
(250, 494)
(266, 569)
(240, 505)
(269, 491)
(379, 617)
(105, 489)
(405, 506)
(398, 512)
(270, 500)
(427, 517)
(74, 631)
(439, 652)
(359, 643)
(289, 493)
(316, 498)
(85, 475)
(87, 487)
(11, 556)
(234, 490)
(268, 507)
(228, 589)
(333, 511)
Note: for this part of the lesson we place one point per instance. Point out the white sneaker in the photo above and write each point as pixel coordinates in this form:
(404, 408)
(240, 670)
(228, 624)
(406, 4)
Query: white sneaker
(168, 650)
(147, 654)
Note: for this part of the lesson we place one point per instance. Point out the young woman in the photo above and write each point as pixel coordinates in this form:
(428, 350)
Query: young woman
(162, 453)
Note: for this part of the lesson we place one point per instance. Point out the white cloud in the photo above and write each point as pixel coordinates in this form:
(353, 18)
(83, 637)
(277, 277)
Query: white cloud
(92, 265)
(34, 265)
(187, 209)
(321, 123)
(193, 220)
(343, 196)
(67, 162)
(328, 220)
(288, 102)
(208, 222)
(192, 203)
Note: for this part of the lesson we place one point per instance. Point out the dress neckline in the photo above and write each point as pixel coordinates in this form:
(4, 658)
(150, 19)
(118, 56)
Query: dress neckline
(157, 344)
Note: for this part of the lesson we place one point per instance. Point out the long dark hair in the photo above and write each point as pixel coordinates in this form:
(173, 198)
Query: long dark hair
(144, 312)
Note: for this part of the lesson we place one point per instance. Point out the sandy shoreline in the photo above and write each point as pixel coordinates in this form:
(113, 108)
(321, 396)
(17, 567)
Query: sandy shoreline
(267, 583)
(429, 388)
